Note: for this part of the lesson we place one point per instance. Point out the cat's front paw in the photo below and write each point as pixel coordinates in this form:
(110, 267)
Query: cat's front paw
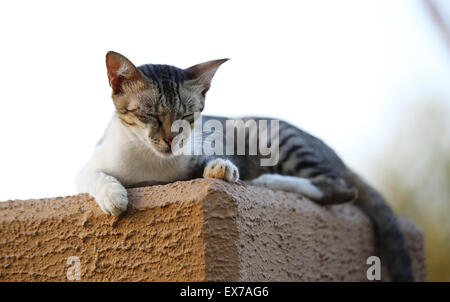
(112, 199)
(221, 169)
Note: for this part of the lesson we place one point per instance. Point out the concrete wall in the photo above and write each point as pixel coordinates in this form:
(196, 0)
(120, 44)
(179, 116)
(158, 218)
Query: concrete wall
(199, 230)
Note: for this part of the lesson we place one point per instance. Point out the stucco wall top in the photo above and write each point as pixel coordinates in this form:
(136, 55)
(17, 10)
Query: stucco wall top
(192, 231)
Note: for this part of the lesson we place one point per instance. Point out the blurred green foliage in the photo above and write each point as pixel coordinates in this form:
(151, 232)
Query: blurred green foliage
(413, 174)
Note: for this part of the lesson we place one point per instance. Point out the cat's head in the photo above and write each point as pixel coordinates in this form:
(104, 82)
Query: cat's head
(149, 98)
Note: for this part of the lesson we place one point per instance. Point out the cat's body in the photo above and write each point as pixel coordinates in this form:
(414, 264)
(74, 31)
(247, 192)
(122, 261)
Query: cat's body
(136, 151)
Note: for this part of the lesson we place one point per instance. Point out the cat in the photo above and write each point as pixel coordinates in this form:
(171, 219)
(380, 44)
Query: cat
(136, 150)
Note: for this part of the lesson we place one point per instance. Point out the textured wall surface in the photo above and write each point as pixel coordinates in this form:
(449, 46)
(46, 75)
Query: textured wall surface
(192, 231)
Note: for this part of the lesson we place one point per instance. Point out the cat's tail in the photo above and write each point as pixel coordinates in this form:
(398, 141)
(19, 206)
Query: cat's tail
(390, 241)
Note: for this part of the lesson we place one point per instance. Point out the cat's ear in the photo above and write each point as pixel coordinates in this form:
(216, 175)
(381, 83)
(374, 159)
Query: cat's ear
(200, 75)
(120, 71)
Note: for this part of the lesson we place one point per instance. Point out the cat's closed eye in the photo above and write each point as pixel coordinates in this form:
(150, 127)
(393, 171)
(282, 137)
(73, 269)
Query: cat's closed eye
(189, 117)
(154, 120)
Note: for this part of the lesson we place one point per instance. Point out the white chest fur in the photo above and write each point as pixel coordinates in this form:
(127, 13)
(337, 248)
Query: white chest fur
(122, 155)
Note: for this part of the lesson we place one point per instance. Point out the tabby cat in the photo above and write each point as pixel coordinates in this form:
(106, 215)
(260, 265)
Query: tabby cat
(136, 150)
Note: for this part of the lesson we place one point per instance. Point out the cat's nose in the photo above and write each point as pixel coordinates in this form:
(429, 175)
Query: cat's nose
(168, 137)
(168, 140)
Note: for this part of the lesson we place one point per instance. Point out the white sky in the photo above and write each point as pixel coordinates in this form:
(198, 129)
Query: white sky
(343, 70)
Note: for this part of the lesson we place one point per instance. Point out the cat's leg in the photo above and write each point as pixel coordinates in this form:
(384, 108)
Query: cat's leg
(221, 169)
(335, 190)
(289, 184)
(108, 192)
(321, 189)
